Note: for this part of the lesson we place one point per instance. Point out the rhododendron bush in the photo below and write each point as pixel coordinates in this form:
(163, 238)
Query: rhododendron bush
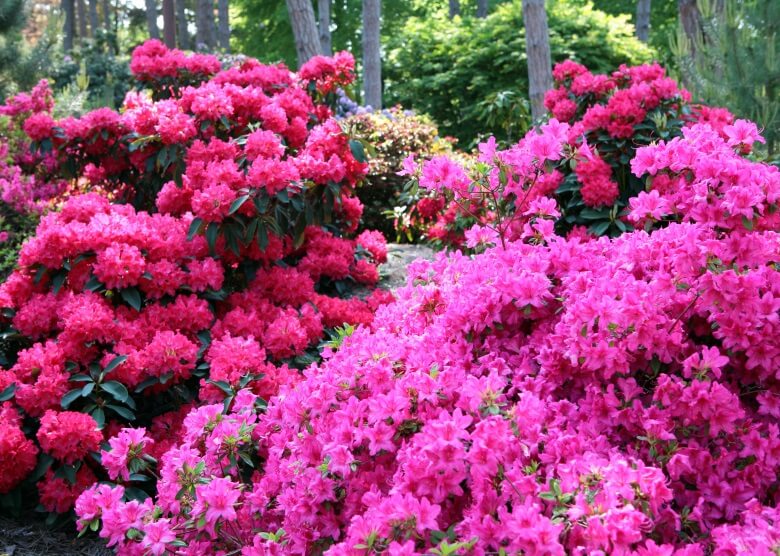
(224, 271)
(607, 117)
(551, 395)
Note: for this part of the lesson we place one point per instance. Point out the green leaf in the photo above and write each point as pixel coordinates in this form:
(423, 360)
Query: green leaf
(100, 417)
(600, 228)
(121, 411)
(132, 297)
(114, 363)
(116, 389)
(211, 235)
(57, 281)
(87, 389)
(8, 393)
(237, 204)
(358, 151)
(195, 226)
(70, 397)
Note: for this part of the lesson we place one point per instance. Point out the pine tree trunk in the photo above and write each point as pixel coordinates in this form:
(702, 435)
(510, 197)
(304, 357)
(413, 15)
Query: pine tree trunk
(690, 19)
(205, 16)
(304, 26)
(93, 17)
(323, 12)
(169, 23)
(454, 8)
(372, 56)
(107, 15)
(482, 8)
(81, 7)
(537, 48)
(151, 19)
(223, 31)
(182, 34)
(69, 30)
(643, 20)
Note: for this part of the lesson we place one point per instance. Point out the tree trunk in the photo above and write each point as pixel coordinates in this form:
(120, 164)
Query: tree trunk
(323, 11)
(205, 16)
(690, 19)
(643, 20)
(93, 17)
(307, 41)
(69, 30)
(151, 19)
(372, 56)
(537, 49)
(107, 15)
(169, 24)
(223, 31)
(81, 7)
(454, 8)
(182, 34)
(482, 8)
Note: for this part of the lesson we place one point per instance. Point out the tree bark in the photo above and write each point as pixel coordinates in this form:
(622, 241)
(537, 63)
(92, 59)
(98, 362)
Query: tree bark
(304, 26)
(323, 13)
(537, 48)
(223, 31)
(690, 19)
(205, 15)
(169, 23)
(643, 20)
(372, 56)
(482, 8)
(107, 15)
(81, 8)
(93, 17)
(151, 19)
(182, 34)
(69, 27)
(454, 8)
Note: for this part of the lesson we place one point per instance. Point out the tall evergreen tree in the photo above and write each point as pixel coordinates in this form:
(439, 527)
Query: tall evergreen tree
(182, 31)
(482, 8)
(323, 23)
(643, 20)
(304, 26)
(734, 61)
(372, 56)
(537, 47)
(223, 30)
(169, 23)
(151, 19)
(206, 31)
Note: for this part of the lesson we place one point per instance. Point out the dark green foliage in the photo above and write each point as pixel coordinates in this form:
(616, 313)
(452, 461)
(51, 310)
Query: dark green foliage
(737, 62)
(448, 69)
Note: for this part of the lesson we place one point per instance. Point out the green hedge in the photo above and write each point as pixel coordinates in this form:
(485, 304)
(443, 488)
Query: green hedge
(449, 69)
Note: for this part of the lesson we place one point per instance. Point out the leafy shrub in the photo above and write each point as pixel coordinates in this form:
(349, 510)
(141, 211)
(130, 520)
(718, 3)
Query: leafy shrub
(391, 135)
(226, 274)
(548, 396)
(601, 121)
(449, 68)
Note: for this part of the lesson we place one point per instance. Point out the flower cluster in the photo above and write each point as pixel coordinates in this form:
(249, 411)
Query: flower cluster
(598, 122)
(230, 266)
(614, 396)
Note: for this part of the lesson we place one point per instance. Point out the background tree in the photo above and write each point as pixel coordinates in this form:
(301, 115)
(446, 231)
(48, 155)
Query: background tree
(304, 27)
(182, 31)
(223, 31)
(93, 17)
(151, 19)
(169, 23)
(107, 15)
(81, 7)
(643, 20)
(454, 8)
(372, 57)
(323, 15)
(537, 46)
(732, 60)
(205, 16)
(69, 24)
(482, 8)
